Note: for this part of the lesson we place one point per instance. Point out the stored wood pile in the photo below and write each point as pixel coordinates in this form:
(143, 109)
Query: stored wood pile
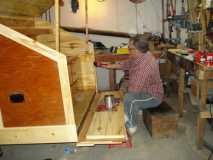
(27, 8)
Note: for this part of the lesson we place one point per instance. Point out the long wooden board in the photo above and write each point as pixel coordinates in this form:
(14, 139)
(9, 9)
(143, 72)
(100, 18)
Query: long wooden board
(89, 137)
(14, 21)
(107, 125)
(30, 8)
(81, 102)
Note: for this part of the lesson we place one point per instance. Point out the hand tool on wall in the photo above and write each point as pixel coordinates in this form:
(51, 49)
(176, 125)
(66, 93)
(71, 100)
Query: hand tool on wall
(74, 5)
(183, 10)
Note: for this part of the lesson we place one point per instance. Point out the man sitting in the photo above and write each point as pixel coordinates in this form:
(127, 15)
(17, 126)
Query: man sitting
(145, 89)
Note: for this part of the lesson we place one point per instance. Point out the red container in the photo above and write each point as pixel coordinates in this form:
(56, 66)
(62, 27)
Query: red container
(198, 56)
(209, 59)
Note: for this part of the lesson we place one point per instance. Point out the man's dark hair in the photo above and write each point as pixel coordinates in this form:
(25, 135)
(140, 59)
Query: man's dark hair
(140, 43)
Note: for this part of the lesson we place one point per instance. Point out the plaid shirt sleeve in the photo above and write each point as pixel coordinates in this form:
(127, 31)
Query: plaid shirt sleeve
(125, 65)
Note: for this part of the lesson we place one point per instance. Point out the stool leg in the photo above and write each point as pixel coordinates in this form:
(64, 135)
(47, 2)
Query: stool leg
(200, 131)
(181, 91)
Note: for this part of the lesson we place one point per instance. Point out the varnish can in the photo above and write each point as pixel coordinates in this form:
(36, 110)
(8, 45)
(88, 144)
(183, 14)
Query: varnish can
(109, 101)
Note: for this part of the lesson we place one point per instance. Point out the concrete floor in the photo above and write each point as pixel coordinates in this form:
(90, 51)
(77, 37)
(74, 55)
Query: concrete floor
(180, 147)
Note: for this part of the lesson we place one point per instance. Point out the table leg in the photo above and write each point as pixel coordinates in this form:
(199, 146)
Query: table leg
(201, 121)
(112, 79)
(200, 131)
(181, 91)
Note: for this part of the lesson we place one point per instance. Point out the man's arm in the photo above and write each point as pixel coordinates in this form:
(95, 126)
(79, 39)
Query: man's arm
(110, 65)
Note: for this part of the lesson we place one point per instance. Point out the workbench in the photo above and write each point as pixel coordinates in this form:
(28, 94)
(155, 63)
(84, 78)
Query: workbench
(112, 57)
(204, 75)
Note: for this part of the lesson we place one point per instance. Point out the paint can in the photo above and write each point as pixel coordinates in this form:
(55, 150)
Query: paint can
(109, 101)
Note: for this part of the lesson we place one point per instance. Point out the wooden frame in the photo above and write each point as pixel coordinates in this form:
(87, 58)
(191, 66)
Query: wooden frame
(85, 101)
(42, 134)
(71, 70)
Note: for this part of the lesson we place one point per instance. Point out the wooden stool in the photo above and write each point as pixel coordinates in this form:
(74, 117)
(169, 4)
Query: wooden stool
(161, 121)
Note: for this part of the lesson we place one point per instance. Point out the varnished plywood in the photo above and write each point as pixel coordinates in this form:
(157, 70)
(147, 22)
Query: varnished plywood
(31, 8)
(23, 70)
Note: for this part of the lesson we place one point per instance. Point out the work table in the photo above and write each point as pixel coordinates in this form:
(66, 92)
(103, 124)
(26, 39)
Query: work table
(204, 75)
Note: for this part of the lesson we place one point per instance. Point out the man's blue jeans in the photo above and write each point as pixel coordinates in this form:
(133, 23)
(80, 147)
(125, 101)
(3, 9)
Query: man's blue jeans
(133, 102)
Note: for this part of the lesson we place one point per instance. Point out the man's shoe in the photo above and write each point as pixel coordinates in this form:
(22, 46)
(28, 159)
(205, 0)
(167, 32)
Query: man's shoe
(131, 130)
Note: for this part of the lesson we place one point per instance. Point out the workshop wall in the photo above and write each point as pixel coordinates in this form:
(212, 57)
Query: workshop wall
(113, 15)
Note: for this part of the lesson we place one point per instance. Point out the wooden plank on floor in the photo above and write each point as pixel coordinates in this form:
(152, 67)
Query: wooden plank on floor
(107, 125)
(116, 135)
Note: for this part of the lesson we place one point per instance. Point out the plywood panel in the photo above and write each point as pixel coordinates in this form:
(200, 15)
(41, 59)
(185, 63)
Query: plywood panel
(81, 103)
(31, 8)
(32, 32)
(14, 21)
(24, 71)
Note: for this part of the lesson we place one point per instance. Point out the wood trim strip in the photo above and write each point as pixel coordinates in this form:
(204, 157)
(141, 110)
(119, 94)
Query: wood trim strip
(1, 120)
(31, 135)
(29, 43)
(65, 90)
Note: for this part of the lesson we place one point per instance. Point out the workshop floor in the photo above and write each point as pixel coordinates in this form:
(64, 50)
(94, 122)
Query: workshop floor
(180, 147)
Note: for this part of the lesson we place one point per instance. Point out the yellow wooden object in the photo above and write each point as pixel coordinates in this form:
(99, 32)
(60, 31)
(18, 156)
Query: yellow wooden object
(122, 51)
